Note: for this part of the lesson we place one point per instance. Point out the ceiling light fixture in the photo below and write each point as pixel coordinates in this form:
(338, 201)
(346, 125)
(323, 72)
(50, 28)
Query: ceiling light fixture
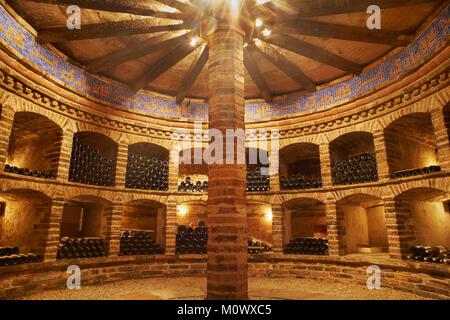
(258, 23)
(194, 41)
(266, 32)
(262, 1)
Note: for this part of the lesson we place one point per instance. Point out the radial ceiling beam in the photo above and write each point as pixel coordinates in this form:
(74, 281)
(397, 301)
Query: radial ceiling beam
(193, 73)
(313, 52)
(255, 73)
(107, 29)
(181, 6)
(124, 6)
(161, 66)
(153, 44)
(343, 32)
(302, 8)
(287, 67)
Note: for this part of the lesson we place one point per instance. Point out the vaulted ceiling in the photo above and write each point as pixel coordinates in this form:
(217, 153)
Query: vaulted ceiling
(295, 47)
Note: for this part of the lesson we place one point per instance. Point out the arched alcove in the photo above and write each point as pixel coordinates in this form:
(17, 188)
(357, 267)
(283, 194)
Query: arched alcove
(34, 146)
(257, 161)
(300, 167)
(411, 146)
(353, 158)
(192, 170)
(93, 159)
(363, 223)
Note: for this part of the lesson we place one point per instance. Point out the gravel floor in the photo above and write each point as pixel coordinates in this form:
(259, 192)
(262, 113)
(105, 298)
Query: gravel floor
(194, 289)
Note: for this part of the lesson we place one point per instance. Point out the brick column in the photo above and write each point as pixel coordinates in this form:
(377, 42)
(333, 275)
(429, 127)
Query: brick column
(226, 205)
(381, 155)
(400, 235)
(336, 233)
(277, 228)
(171, 226)
(121, 164)
(65, 155)
(325, 164)
(114, 222)
(174, 158)
(6, 123)
(441, 138)
(54, 229)
(274, 167)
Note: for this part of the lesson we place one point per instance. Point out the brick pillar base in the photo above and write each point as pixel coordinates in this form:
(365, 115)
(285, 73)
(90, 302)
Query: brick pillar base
(114, 222)
(336, 238)
(277, 228)
(325, 165)
(121, 165)
(54, 229)
(381, 155)
(226, 206)
(6, 123)
(65, 155)
(441, 138)
(171, 226)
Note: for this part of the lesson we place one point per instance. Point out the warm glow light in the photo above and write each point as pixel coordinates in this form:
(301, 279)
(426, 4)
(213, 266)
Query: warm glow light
(235, 7)
(194, 41)
(182, 210)
(169, 9)
(245, 45)
(262, 1)
(258, 23)
(266, 32)
(257, 41)
(268, 215)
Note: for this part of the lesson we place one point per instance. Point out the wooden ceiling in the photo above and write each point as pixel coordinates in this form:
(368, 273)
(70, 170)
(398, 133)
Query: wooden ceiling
(146, 44)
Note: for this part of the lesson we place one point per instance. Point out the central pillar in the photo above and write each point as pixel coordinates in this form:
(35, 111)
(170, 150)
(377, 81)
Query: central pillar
(226, 206)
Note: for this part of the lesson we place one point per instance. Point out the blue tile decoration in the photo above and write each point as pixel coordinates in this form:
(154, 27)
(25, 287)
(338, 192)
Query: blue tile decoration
(13, 35)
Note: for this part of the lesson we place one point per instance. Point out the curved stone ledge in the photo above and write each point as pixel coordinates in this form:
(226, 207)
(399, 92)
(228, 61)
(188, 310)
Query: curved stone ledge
(424, 279)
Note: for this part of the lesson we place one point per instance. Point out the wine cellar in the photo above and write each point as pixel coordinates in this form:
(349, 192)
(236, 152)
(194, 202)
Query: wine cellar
(335, 153)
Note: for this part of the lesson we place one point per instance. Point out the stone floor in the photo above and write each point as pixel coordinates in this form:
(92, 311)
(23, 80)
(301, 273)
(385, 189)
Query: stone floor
(194, 289)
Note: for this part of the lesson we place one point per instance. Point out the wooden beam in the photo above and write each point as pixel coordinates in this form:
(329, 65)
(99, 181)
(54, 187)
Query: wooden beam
(255, 73)
(124, 6)
(193, 73)
(161, 66)
(282, 63)
(343, 32)
(303, 9)
(313, 52)
(107, 29)
(153, 44)
(181, 6)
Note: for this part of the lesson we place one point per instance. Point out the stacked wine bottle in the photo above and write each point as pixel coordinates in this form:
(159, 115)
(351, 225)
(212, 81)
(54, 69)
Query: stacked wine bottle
(315, 246)
(138, 243)
(81, 248)
(88, 166)
(438, 254)
(10, 256)
(190, 240)
(146, 172)
(257, 181)
(28, 172)
(415, 172)
(358, 169)
(298, 182)
(255, 247)
(188, 186)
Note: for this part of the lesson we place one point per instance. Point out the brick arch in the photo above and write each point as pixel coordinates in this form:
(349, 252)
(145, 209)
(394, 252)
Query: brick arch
(312, 138)
(131, 197)
(422, 106)
(86, 127)
(20, 105)
(376, 192)
(71, 193)
(50, 191)
(439, 183)
(367, 127)
(320, 197)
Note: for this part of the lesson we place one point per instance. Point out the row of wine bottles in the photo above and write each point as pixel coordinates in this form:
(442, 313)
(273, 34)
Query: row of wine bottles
(28, 172)
(255, 247)
(89, 166)
(19, 258)
(298, 182)
(138, 243)
(415, 172)
(146, 172)
(188, 186)
(438, 254)
(256, 181)
(314, 246)
(190, 240)
(7, 251)
(81, 248)
(358, 169)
